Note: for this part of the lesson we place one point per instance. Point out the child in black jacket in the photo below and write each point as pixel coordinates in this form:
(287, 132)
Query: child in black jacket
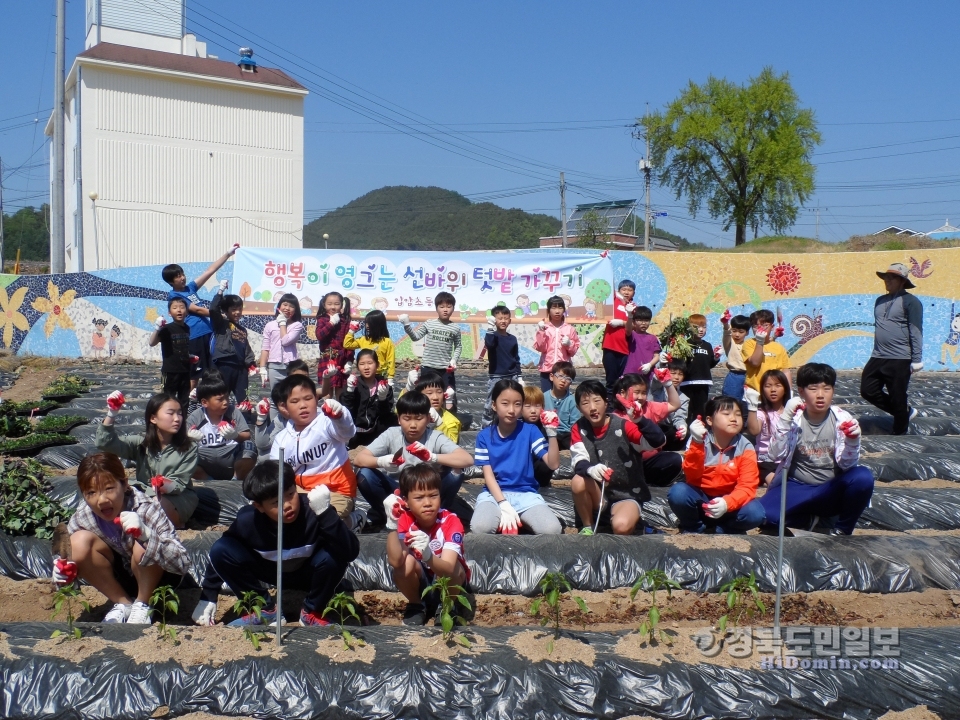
(698, 379)
(317, 547)
(369, 398)
(230, 350)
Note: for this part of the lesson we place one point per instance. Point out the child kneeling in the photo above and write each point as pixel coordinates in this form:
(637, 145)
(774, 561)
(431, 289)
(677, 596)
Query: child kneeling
(425, 542)
(224, 447)
(122, 542)
(607, 449)
(722, 477)
(317, 548)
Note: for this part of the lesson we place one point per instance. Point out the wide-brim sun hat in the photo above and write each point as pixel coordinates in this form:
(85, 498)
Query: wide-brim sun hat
(900, 270)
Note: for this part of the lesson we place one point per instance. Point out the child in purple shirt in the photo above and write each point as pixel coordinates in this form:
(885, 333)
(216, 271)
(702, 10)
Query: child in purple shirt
(644, 347)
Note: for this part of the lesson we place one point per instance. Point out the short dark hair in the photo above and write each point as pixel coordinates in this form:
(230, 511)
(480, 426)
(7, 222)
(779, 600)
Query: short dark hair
(761, 315)
(297, 365)
(816, 373)
(413, 403)
(740, 322)
(590, 386)
(677, 365)
(367, 352)
(627, 283)
(554, 301)
(292, 299)
(421, 476)
(444, 298)
(286, 386)
(178, 299)
(500, 310)
(429, 380)
(211, 384)
(230, 302)
(642, 313)
(566, 367)
(171, 271)
(722, 402)
(261, 483)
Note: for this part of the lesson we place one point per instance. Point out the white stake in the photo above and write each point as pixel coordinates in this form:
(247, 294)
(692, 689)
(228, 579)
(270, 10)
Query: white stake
(783, 526)
(280, 552)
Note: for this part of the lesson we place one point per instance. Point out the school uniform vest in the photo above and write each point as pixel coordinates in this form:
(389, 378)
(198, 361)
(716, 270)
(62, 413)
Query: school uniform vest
(615, 451)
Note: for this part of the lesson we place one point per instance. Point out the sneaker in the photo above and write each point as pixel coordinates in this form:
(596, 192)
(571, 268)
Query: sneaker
(913, 414)
(415, 614)
(586, 531)
(266, 618)
(308, 618)
(358, 518)
(118, 613)
(139, 614)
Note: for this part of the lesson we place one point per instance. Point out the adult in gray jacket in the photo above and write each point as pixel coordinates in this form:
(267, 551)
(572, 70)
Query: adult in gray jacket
(897, 348)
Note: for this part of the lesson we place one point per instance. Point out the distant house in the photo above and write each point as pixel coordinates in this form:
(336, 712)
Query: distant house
(616, 214)
(946, 232)
(897, 230)
(618, 241)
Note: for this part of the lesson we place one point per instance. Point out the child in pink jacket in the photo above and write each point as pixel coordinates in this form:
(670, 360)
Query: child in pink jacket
(556, 340)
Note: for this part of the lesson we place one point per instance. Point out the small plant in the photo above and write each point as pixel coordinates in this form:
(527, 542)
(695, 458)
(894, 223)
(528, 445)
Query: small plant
(59, 423)
(14, 426)
(34, 442)
(449, 595)
(166, 600)
(344, 606)
(66, 385)
(26, 507)
(743, 598)
(28, 407)
(553, 588)
(677, 338)
(64, 597)
(651, 581)
(251, 604)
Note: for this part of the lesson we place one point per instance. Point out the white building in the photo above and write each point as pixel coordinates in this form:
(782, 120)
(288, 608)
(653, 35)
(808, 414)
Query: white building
(172, 155)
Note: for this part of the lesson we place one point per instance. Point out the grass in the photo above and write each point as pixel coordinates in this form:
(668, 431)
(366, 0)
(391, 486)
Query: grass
(856, 243)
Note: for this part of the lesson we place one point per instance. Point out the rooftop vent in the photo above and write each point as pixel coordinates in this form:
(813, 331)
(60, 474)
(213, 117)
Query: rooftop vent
(247, 63)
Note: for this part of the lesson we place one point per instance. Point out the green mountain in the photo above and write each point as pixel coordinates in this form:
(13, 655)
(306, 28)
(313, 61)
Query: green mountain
(427, 218)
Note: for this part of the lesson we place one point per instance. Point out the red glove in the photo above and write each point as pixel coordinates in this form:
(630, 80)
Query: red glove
(717, 351)
(330, 370)
(420, 451)
(194, 359)
(245, 406)
(263, 407)
(64, 571)
(115, 400)
(680, 434)
(725, 318)
(253, 370)
(354, 326)
(133, 532)
(663, 376)
(332, 409)
(162, 484)
(778, 332)
(550, 419)
(850, 428)
(399, 508)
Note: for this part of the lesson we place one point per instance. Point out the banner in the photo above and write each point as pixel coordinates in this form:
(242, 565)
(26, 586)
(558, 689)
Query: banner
(406, 283)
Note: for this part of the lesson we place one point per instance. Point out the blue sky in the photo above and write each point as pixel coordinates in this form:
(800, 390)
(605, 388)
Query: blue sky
(532, 88)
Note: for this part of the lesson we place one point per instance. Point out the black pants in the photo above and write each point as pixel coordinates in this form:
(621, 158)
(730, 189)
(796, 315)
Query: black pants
(614, 364)
(178, 385)
(201, 348)
(449, 381)
(698, 395)
(243, 570)
(894, 375)
(662, 469)
(236, 378)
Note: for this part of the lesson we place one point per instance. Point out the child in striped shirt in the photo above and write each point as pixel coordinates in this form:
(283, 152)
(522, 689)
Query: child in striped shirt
(441, 341)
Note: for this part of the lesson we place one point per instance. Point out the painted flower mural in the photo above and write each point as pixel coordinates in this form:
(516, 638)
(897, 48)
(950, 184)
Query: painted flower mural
(55, 305)
(783, 278)
(10, 315)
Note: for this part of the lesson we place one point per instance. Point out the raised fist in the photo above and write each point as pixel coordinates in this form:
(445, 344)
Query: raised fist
(115, 401)
(850, 428)
(725, 318)
(550, 421)
(160, 322)
(354, 326)
(404, 319)
(263, 409)
(448, 395)
(383, 388)
(351, 383)
(698, 430)
(332, 409)
(224, 284)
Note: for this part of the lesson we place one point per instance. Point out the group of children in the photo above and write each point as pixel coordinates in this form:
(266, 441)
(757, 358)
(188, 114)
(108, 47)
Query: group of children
(622, 436)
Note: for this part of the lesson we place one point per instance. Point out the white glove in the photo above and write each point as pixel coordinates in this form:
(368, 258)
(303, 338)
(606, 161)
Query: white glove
(319, 499)
(550, 421)
(448, 395)
(762, 337)
(390, 381)
(115, 401)
(434, 416)
(351, 383)
(385, 462)
(793, 406)
(617, 322)
(193, 395)
(565, 341)
(419, 541)
(697, 430)
(509, 519)
(330, 371)
(281, 319)
(132, 526)
(664, 359)
(264, 377)
(645, 369)
(752, 397)
(224, 284)
(394, 507)
(916, 367)
(404, 319)
(228, 431)
(542, 326)
(681, 432)
(629, 308)
(413, 377)
(520, 382)
(332, 409)
(850, 428)
(64, 571)
(382, 389)
(347, 368)
(195, 434)
(160, 322)
(421, 452)
(162, 485)
(452, 367)
(335, 319)
(600, 472)
(491, 323)
(715, 508)
(204, 613)
(263, 410)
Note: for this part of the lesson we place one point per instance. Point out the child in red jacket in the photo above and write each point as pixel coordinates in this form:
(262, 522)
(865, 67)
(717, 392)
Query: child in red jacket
(722, 476)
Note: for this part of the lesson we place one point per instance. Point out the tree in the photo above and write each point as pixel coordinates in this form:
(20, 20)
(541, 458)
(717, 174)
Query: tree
(744, 150)
(592, 230)
(27, 229)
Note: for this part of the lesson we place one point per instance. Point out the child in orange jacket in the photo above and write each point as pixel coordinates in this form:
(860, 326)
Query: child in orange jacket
(722, 477)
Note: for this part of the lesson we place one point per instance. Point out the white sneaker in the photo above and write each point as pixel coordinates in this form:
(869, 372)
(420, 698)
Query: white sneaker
(913, 414)
(139, 614)
(118, 613)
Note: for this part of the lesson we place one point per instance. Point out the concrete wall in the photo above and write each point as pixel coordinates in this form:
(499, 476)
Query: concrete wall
(826, 302)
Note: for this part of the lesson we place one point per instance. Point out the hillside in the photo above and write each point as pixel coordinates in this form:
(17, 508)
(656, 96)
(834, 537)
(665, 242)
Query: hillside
(857, 243)
(426, 218)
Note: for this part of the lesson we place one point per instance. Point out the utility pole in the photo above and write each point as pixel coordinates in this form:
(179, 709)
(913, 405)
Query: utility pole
(563, 210)
(646, 184)
(818, 222)
(1, 215)
(57, 220)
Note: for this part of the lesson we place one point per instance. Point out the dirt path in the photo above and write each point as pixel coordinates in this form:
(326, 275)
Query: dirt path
(35, 375)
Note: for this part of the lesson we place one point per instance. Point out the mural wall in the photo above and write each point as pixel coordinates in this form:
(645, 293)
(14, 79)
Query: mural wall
(825, 302)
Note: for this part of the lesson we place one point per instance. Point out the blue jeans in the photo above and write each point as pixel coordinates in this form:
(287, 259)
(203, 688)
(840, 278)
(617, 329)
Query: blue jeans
(375, 486)
(846, 496)
(733, 384)
(685, 501)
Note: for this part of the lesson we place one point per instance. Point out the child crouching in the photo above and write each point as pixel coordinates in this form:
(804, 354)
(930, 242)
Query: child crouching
(425, 541)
